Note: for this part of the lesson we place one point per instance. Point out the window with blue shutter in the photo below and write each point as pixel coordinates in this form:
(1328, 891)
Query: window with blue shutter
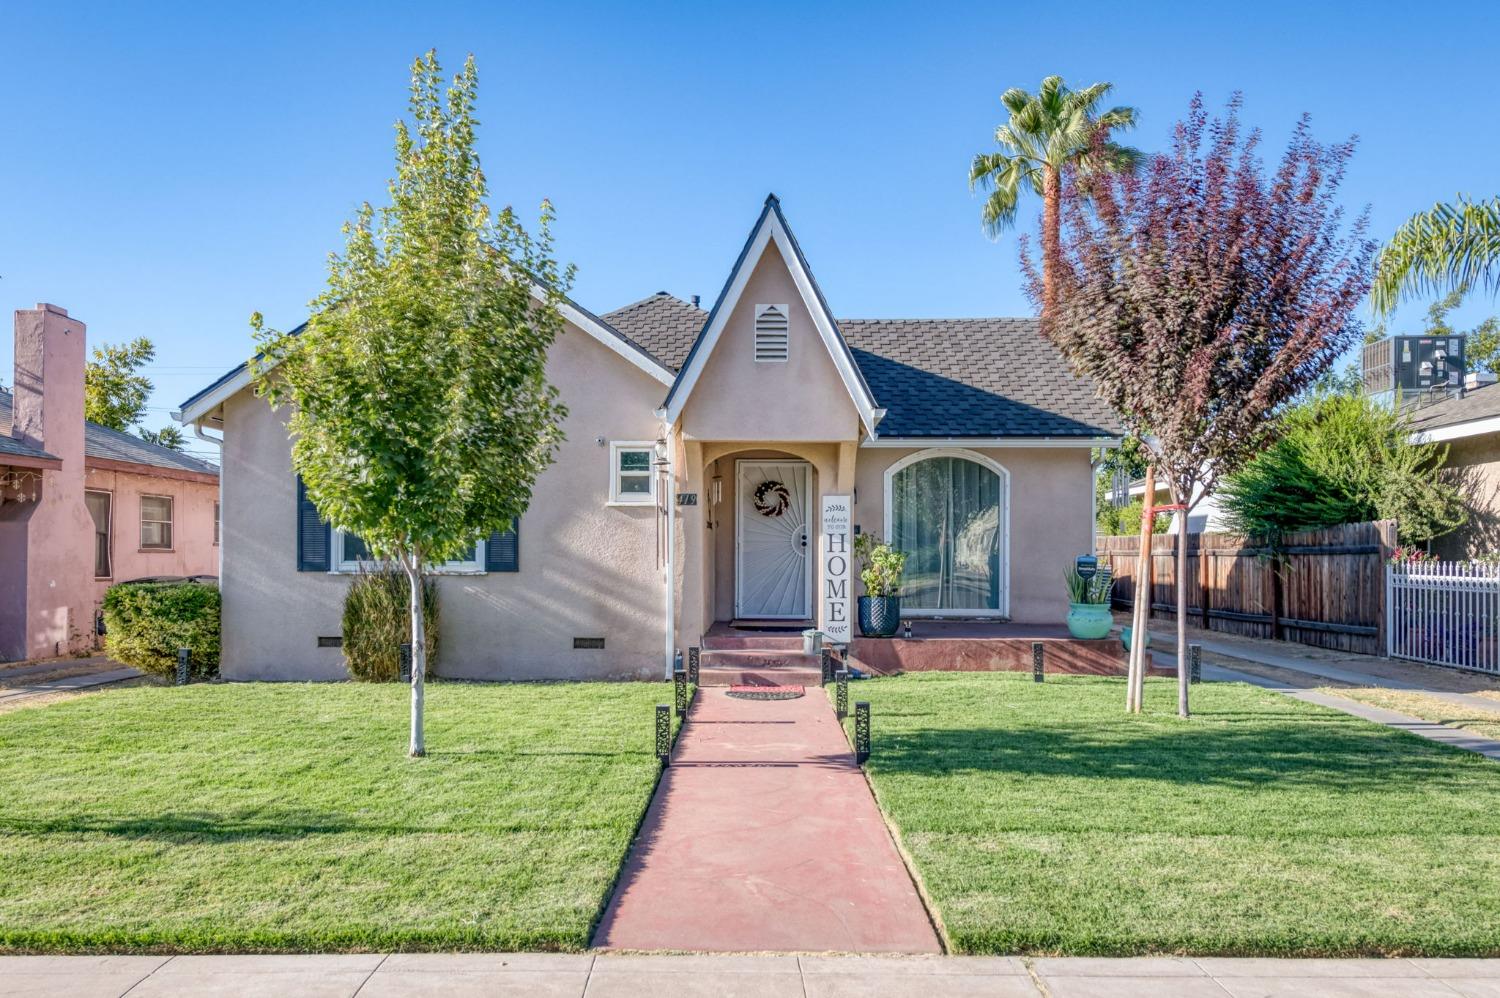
(313, 537)
(502, 552)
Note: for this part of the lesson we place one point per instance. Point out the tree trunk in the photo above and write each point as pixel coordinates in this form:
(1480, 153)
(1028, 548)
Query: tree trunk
(1051, 238)
(413, 566)
(1135, 679)
(1182, 648)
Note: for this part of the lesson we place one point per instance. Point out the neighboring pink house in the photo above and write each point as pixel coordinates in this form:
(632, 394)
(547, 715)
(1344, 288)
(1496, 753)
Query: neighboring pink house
(83, 506)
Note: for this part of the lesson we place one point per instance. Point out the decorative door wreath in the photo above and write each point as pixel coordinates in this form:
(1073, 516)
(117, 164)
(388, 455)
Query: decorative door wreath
(772, 498)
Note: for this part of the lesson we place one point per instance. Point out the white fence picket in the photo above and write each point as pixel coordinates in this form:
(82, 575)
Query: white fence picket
(1444, 613)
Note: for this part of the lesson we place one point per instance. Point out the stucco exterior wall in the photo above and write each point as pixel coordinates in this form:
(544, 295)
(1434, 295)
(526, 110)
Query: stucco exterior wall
(1051, 503)
(738, 398)
(1474, 465)
(588, 569)
(193, 549)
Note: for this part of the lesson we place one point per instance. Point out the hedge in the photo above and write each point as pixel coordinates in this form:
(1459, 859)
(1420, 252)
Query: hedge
(146, 622)
(377, 622)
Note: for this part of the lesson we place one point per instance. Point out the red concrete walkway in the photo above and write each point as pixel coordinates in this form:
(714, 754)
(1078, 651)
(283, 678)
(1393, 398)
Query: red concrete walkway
(764, 836)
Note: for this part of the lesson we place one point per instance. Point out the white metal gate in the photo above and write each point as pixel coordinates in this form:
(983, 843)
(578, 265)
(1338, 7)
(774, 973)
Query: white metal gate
(1444, 613)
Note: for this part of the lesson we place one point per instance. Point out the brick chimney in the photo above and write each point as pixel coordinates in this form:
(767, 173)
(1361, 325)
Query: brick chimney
(50, 360)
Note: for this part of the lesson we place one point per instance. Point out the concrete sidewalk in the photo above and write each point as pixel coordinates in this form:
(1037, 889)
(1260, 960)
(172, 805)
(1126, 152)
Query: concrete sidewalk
(460, 975)
(763, 836)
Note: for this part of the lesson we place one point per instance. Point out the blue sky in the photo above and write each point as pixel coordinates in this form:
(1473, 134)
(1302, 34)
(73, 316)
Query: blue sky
(169, 171)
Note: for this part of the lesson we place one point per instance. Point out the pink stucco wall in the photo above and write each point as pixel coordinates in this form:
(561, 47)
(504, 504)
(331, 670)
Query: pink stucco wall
(48, 593)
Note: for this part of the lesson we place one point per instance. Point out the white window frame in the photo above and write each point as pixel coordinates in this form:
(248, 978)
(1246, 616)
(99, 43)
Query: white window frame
(1003, 541)
(618, 498)
(170, 521)
(343, 566)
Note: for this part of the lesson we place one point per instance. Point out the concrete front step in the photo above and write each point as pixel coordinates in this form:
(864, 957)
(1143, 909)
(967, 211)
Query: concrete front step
(752, 641)
(759, 667)
(727, 676)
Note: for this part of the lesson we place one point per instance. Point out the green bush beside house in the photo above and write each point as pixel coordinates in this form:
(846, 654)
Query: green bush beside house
(377, 623)
(145, 623)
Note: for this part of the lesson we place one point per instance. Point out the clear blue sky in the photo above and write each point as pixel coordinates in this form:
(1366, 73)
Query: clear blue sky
(167, 171)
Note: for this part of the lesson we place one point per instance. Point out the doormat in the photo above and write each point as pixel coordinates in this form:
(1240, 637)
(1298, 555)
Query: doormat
(765, 692)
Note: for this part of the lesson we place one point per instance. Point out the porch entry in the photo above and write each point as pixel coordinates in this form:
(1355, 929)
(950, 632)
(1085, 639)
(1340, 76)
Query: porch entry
(773, 545)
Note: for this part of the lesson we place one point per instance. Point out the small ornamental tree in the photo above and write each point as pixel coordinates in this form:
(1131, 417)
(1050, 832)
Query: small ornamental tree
(1201, 295)
(420, 411)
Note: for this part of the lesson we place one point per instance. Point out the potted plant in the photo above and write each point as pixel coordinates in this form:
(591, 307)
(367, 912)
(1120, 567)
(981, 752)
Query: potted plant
(1089, 613)
(880, 569)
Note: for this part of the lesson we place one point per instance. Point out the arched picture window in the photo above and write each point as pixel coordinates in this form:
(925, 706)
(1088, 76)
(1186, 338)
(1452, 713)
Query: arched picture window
(946, 510)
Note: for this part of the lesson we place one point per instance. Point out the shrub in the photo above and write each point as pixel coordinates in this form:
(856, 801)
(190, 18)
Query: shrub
(377, 622)
(1125, 521)
(881, 566)
(146, 622)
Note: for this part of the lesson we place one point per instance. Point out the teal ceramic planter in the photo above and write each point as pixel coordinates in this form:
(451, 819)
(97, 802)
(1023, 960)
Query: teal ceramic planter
(1125, 638)
(1089, 620)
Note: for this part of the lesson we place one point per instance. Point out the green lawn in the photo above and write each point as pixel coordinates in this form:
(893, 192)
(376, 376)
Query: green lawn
(287, 817)
(1041, 818)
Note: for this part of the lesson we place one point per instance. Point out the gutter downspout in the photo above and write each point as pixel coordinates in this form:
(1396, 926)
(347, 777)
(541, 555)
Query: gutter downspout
(219, 443)
(670, 562)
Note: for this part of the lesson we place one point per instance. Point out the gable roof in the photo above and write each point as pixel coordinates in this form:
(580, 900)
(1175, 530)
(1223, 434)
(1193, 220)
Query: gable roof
(663, 325)
(993, 377)
(1474, 412)
(771, 227)
(106, 444)
(974, 378)
(237, 378)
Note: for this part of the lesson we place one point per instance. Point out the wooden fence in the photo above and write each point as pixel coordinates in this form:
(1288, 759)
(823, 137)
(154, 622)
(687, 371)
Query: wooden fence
(1320, 587)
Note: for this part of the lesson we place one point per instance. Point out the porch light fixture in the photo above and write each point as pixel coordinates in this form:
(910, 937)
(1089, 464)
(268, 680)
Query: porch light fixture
(661, 452)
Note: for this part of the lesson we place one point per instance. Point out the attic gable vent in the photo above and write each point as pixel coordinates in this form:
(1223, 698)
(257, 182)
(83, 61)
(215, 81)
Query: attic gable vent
(771, 343)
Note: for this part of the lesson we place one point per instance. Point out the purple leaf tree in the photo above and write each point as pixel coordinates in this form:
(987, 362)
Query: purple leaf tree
(1202, 294)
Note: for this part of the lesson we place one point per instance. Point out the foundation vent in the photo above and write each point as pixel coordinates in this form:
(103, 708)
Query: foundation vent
(771, 345)
(588, 642)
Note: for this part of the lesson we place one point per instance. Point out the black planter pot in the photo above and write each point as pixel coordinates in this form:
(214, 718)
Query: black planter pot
(879, 616)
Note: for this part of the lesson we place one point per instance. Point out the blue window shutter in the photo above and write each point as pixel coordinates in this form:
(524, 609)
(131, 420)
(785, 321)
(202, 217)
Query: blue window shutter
(314, 543)
(502, 552)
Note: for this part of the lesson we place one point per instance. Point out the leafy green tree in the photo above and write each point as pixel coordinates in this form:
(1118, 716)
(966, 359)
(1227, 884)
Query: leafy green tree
(1053, 130)
(168, 436)
(1450, 246)
(420, 411)
(114, 390)
(1344, 459)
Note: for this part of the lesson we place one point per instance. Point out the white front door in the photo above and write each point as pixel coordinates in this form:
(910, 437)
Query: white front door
(773, 517)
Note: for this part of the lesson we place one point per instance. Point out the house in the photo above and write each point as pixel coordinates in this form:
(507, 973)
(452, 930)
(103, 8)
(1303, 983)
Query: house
(83, 506)
(715, 469)
(1206, 514)
(1468, 424)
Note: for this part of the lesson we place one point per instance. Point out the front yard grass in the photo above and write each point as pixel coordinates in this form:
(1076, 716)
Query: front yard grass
(271, 817)
(1042, 818)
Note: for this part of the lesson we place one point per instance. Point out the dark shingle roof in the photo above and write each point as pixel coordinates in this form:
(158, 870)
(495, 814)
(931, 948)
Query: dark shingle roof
(1477, 403)
(935, 377)
(112, 445)
(973, 378)
(662, 325)
(14, 448)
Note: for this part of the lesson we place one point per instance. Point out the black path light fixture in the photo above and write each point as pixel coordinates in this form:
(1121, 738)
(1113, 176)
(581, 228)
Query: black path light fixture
(403, 668)
(1195, 663)
(841, 694)
(184, 666)
(825, 661)
(664, 734)
(680, 691)
(693, 654)
(1038, 662)
(861, 732)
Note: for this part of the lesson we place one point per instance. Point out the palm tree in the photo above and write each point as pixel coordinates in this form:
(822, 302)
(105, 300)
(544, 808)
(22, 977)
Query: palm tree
(1049, 131)
(1449, 247)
